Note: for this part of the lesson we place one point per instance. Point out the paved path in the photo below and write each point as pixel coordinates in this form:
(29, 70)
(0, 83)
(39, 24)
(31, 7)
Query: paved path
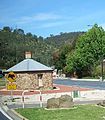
(60, 89)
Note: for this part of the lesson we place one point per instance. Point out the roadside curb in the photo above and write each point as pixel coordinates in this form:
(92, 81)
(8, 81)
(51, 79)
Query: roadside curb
(12, 113)
(78, 79)
(91, 80)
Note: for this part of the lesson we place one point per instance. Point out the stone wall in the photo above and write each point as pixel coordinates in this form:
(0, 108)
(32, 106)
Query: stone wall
(30, 80)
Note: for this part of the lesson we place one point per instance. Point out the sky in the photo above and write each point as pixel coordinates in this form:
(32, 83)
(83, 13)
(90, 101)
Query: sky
(45, 17)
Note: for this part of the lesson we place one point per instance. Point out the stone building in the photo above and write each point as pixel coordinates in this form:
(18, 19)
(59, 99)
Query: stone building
(32, 75)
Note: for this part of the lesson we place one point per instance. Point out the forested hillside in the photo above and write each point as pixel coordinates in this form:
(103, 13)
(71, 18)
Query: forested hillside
(14, 43)
(72, 53)
(63, 38)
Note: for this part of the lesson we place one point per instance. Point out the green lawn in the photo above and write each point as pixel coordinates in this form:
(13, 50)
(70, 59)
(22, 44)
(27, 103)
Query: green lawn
(83, 112)
(2, 83)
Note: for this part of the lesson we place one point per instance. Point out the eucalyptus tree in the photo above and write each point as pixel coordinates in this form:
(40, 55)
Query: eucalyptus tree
(90, 47)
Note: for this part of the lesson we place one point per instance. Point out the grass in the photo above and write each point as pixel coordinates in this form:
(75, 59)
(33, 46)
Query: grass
(2, 83)
(83, 112)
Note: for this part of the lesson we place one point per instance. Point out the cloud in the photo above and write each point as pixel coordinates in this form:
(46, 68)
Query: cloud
(38, 17)
(39, 21)
(48, 16)
(51, 24)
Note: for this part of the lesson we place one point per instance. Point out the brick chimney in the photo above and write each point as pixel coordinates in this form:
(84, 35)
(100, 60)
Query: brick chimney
(28, 55)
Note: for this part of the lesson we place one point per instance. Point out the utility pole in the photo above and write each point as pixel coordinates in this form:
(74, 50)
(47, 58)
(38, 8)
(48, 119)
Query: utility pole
(102, 59)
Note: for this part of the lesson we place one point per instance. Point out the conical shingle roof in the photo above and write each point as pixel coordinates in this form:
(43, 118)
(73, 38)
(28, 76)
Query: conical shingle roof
(29, 65)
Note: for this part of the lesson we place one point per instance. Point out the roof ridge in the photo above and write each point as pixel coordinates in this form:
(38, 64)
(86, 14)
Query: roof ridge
(27, 65)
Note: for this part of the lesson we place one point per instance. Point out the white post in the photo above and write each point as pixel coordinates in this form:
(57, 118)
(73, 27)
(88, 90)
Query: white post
(23, 96)
(23, 101)
(11, 94)
(41, 105)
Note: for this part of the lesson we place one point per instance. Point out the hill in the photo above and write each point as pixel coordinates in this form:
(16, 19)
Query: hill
(14, 43)
(63, 38)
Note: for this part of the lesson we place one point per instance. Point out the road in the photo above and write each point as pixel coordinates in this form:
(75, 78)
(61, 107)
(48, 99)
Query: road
(87, 102)
(3, 115)
(13, 106)
(87, 84)
(76, 102)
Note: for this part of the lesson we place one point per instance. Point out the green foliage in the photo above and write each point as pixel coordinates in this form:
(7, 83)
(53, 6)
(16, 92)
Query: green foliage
(2, 83)
(14, 43)
(64, 38)
(7, 29)
(65, 43)
(97, 71)
(83, 112)
(90, 48)
(59, 56)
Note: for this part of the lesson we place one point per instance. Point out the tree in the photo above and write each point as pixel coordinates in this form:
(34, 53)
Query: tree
(7, 29)
(40, 38)
(88, 52)
(59, 57)
(19, 31)
(29, 35)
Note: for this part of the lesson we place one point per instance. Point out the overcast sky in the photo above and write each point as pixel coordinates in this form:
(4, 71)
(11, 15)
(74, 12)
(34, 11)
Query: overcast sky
(45, 17)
